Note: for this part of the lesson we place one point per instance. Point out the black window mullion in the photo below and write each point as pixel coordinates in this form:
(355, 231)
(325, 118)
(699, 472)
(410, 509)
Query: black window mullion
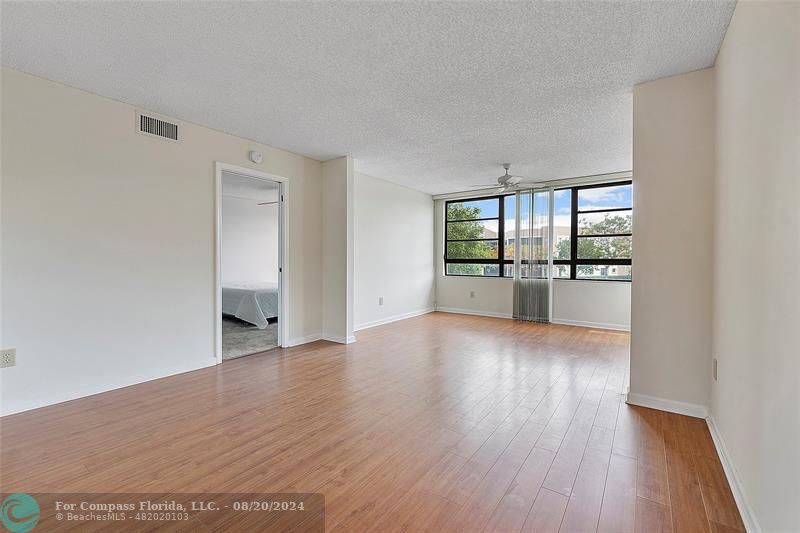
(609, 210)
(603, 262)
(472, 261)
(573, 236)
(594, 235)
(574, 262)
(500, 237)
(500, 261)
(501, 234)
(470, 219)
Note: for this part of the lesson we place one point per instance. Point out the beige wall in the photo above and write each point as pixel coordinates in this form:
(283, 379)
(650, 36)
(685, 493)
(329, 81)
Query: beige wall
(108, 243)
(722, 148)
(673, 172)
(249, 235)
(756, 399)
(393, 255)
(597, 304)
(337, 250)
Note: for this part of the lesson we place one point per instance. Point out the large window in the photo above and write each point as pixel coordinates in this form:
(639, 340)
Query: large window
(591, 234)
(598, 245)
(475, 237)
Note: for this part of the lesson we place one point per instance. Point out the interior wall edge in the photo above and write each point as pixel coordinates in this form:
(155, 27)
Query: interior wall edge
(304, 340)
(593, 325)
(748, 516)
(9, 408)
(665, 404)
(460, 311)
(339, 339)
(395, 318)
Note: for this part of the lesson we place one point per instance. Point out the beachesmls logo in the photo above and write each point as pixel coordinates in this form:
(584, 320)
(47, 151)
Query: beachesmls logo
(20, 513)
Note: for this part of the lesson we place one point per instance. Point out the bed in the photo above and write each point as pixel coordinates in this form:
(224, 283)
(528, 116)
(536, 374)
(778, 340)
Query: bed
(255, 302)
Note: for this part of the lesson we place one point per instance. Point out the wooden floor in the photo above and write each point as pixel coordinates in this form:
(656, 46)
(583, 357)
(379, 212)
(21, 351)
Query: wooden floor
(436, 423)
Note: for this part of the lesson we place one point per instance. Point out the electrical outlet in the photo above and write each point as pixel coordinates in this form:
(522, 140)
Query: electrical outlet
(715, 369)
(8, 357)
(380, 300)
(472, 294)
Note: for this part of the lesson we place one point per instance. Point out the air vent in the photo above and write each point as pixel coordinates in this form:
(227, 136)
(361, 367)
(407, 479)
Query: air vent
(150, 125)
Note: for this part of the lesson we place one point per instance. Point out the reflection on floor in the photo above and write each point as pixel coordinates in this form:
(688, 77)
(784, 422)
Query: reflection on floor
(242, 338)
(440, 422)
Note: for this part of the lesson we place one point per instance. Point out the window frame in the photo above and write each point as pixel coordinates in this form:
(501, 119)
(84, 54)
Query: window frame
(501, 233)
(573, 262)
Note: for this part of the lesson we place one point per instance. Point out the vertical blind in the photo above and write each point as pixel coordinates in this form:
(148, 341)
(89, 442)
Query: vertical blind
(533, 261)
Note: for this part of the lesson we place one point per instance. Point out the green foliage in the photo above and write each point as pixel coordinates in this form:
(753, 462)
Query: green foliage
(563, 249)
(464, 270)
(467, 230)
(609, 224)
(600, 247)
(605, 247)
(588, 248)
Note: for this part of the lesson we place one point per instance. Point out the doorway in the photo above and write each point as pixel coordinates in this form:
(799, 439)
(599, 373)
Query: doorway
(250, 244)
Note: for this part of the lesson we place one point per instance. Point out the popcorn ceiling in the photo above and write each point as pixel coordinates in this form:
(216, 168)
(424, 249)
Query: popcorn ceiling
(434, 96)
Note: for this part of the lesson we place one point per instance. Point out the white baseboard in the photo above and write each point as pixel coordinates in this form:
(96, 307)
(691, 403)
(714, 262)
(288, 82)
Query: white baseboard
(297, 341)
(321, 337)
(394, 318)
(338, 338)
(746, 512)
(472, 312)
(672, 406)
(10, 408)
(595, 325)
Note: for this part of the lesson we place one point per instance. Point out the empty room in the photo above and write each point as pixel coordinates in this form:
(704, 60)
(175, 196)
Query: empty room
(400, 266)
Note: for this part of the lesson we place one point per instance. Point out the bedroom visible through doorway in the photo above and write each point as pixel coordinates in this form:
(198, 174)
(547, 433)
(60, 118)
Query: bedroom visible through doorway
(249, 235)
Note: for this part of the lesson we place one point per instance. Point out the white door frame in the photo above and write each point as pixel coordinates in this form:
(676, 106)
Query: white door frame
(283, 266)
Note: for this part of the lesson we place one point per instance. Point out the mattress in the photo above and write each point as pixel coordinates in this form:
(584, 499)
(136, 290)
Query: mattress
(253, 302)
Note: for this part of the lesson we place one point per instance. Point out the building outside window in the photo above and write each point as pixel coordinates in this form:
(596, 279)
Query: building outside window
(592, 234)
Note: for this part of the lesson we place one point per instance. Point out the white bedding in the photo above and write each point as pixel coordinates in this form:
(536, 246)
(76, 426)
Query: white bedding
(252, 302)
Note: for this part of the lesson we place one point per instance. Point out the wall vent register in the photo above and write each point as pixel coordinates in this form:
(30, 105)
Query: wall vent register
(150, 125)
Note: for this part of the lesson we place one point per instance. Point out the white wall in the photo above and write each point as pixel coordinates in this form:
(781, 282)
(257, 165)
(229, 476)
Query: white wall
(600, 304)
(393, 258)
(108, 243)
(756, 400)
(597, 304)
(673, 172)
(337, 250)
(249, 236)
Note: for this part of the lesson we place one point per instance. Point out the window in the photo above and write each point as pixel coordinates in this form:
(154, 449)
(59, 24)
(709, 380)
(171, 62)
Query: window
(475, 238)
(591, 234)
(598, 245)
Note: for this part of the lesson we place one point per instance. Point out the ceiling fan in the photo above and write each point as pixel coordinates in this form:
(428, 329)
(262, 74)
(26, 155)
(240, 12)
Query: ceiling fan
(507, 181)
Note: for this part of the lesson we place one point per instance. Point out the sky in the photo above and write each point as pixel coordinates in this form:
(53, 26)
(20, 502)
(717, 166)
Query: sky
(588, 199)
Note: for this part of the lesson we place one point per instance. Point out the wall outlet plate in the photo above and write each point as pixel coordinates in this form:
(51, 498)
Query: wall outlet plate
(8, 357)
(380, 300)
(715, 369)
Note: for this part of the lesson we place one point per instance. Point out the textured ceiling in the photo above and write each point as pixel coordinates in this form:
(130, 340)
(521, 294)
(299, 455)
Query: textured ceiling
(434, 96)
